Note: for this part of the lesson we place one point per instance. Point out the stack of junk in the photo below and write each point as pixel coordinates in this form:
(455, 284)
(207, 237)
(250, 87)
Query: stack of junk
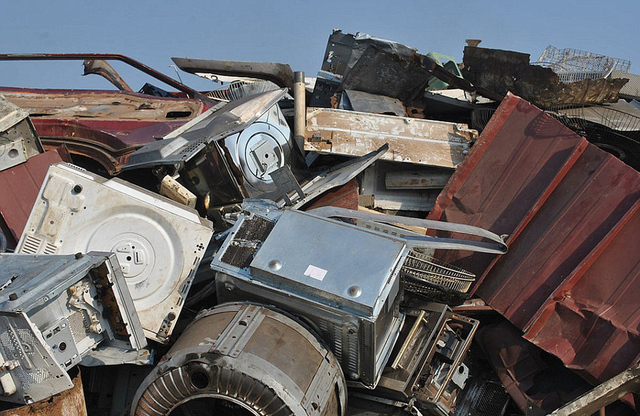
(401, 235)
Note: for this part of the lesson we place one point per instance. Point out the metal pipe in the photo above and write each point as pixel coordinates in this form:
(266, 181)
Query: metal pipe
(299, 109)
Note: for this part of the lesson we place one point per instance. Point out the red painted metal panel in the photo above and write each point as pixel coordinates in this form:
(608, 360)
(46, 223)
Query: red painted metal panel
(571, 211)
(592, 320)
(507, 176)
(19, 187)
(591, 199)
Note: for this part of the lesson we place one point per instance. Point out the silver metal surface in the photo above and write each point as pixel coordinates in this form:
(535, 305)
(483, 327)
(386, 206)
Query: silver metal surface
(494, 245)
(279, 368)
(158, 242)
(342, 280)
(330, 262)
(259, 149)
(28, 362)
(422, 370)
(217, 123)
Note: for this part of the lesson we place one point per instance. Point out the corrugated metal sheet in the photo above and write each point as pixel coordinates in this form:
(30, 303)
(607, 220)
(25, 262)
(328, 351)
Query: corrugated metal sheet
(571, 213)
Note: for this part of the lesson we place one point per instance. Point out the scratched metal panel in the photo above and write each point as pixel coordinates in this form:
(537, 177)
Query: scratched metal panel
(571, 278)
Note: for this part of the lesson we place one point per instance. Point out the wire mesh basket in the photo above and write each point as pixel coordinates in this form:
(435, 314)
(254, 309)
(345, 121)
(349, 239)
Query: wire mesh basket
(573, 65)
(424, 275)
(614, 131)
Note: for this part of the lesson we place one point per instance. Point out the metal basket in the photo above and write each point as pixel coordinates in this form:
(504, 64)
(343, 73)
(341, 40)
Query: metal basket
(426, 276)
(573, 65)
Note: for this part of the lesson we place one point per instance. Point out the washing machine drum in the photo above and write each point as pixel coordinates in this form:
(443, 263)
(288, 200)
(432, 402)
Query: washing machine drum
(244, 359)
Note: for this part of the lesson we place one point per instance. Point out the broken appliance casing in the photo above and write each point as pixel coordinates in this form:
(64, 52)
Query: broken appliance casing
(18, 138)
(428, 365)
(226, 154)
(341, 280)
(53, 311)
(158, 243)
(244, 359)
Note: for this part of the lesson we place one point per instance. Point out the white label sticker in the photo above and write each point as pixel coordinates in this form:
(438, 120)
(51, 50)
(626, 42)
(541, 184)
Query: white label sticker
(315, 272)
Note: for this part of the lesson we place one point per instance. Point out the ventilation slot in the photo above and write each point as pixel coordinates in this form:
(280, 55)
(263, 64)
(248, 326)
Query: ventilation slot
(352, 341)
(50, 248)
(241, 250)
(31, 245)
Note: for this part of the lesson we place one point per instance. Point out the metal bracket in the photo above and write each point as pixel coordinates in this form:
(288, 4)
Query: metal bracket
(233, 339)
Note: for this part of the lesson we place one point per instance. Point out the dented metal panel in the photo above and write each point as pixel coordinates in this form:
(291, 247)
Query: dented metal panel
(53, 311)
(111, 105)
(18, 139)
(352, 133)
(507, 71)
(571, 212)
(600, 296)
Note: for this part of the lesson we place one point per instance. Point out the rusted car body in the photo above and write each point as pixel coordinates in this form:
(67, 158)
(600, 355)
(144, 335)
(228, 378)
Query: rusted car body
(101, 128)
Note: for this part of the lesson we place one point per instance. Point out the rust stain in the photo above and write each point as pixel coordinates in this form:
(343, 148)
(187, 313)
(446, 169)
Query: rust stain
(68, 403)
(110, 105)
(352, 133)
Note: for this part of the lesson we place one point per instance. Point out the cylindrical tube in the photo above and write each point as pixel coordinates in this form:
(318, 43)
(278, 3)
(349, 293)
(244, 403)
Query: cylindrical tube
(248, 360)
(300, 109)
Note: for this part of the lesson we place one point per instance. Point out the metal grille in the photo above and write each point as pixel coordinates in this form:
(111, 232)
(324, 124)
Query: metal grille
(250, 235)
(423, 268)
(240, 89)
(575, 65)
(79, 325)
(31, 245)
(491, 400)
(614, 131)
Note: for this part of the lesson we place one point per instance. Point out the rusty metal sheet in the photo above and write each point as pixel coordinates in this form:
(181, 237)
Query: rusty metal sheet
(507, 175)
(589, 201)
(103, 126)
(19, 187)
(532, 379)
(352, 133)
(345, 196)
(571, 212)
(600, 297)
(68, 403)
(106, 105)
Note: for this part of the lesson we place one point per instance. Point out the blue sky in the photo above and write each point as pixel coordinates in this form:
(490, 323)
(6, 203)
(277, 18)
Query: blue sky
(296, 32)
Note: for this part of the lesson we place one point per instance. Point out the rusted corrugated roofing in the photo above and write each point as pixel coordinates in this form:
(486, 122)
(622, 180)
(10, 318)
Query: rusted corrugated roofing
(571, 213)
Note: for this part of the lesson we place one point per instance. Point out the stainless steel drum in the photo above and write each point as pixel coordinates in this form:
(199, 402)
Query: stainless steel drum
(244, 359)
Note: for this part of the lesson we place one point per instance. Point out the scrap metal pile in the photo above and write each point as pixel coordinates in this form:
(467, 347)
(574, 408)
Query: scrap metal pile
(324, 246)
